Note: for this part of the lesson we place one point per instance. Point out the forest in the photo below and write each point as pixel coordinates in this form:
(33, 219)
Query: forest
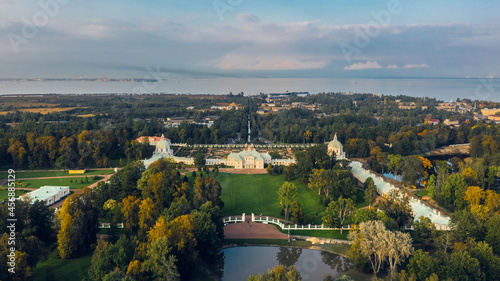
(173, 222)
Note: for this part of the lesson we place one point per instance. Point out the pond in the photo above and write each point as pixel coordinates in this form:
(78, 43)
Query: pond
(241, 262)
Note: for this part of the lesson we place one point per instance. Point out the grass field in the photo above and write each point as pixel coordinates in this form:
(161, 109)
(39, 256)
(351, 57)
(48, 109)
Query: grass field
(75, 184)
(56, 269)
(44, 174)
(360, 199)
(422, 193)
(42, 110)
(4, 194)
(258, 194)
(334, 234)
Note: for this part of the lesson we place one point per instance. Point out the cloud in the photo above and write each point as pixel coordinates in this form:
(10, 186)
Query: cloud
(366, 65)
(392, 66)
(261, 58)
(409, 65)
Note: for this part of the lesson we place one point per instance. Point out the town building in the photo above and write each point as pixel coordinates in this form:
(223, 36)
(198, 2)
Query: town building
(48, 194)
(489, 111)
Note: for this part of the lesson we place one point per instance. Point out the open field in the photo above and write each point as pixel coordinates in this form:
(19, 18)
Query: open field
(45, 174)
(42, 110)
(4, 194)
(73, 183)
(258, 194)
(56, 269)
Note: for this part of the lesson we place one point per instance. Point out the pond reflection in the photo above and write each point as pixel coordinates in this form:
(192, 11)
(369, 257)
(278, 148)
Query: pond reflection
(241, 262)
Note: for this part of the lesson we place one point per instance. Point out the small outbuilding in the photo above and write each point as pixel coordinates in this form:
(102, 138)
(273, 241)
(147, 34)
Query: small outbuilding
(48, 194)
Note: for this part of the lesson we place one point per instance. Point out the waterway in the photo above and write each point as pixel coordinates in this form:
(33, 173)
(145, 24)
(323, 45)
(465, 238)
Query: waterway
(443, 89)
(241, 262)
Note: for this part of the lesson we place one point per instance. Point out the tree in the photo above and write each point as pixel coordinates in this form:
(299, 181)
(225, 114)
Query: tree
(130, 210)
(66, 246)
(431, 186)
(79, 224)
(279, 272)
(338, 211)
(147, 217)
(399, 248)
(422, 265)
(370, 191)
(370, 244)
(397, 206)
(296, 213)
(160, 262)
(425, 231)
(363, 215)
(493, 233)
(413, 170)
(394, 164)
(199, 160)
(461, 266)
(490, 263)
(287, 194)
(452, 191)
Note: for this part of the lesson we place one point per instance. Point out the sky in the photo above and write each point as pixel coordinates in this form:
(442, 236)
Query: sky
(249, 38)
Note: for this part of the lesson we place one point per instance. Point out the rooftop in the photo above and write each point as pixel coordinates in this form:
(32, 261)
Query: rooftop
(45, 192)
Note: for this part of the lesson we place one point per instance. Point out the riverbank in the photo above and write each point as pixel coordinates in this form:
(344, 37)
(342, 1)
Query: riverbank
(338, 249)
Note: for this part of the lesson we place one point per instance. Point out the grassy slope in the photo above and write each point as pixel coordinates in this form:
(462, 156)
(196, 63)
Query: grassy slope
(258, 194)
(4, 194)
(56, 269)
(35, 174)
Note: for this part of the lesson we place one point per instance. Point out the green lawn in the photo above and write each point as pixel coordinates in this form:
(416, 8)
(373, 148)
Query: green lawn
(334, 234)
(73, 183)
(360, 199)
(56, 269)
(4, 194)
(422, 193)
(258, 194)
(35, 174)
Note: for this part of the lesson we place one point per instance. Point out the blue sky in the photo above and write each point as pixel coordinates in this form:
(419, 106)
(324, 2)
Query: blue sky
(250, 38)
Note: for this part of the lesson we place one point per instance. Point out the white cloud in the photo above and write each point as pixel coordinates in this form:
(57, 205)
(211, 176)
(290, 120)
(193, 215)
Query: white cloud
(247, 58)
(409, 65)
(366, 65)
(392, 66)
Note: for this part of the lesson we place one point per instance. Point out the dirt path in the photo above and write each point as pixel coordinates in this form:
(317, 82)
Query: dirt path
(255, 231)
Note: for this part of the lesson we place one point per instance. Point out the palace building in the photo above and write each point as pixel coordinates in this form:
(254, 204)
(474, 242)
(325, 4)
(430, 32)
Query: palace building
(163, 150)
(336, 147)
(248, 159)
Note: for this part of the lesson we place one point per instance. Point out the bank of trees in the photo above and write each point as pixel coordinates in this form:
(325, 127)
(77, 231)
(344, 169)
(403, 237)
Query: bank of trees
(169, 224)
(30, 234)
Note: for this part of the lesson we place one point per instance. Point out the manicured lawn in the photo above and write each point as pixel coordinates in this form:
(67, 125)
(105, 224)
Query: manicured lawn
(258, 194)
(35, 174)
(334, 234)
(4, 194)
(422, 193)
(360, 199)
(56, 269)
(73, 183)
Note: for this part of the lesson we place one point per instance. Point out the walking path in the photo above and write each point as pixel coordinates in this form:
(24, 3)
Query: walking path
(252, 230)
